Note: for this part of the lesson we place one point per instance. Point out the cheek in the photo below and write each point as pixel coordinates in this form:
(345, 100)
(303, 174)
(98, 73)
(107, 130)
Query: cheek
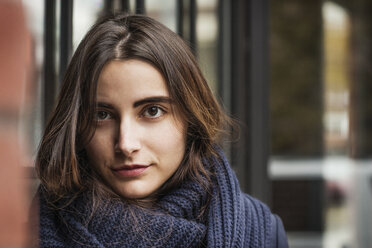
(170, 141)
(93, 153)
(98, 148)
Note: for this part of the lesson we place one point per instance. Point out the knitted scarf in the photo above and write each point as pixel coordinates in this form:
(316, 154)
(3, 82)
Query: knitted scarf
(233, 219)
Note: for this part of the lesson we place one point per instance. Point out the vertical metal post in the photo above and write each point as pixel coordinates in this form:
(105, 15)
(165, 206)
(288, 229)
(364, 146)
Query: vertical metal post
(140, 7)
(191, 22)
(239, 85)
(108, 7)
(259, 99)
(192, 25)
(49, 77)
(65, 38)
(249, 94)
(224, 52)
(125, 6)
(180, 17)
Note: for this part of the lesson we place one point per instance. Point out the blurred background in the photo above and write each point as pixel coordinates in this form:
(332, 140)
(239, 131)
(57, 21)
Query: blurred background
(296, 74)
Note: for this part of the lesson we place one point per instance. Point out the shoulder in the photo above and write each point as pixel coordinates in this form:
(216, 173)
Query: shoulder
(276, 236)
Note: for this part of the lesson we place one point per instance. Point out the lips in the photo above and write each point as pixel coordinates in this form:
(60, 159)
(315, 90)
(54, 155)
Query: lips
(130, 170)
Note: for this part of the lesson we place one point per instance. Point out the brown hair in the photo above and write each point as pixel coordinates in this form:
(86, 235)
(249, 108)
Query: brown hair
(61, 164)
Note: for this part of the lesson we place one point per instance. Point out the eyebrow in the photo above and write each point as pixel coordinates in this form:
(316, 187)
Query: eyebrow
(147, 100)
(152, 100)
(105, 105)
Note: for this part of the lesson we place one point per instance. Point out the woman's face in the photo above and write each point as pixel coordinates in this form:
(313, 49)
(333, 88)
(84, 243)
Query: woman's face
(139, 141)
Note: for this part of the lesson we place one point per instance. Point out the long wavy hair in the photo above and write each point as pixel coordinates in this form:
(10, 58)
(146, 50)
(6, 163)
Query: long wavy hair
(61, 162)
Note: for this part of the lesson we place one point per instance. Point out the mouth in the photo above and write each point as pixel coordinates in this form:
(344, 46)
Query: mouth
(129, 171)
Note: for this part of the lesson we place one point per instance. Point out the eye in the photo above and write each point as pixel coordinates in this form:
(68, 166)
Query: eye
(103, 115)
(153, 112)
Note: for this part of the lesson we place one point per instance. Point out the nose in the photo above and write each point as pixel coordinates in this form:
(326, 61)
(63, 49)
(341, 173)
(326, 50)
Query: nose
(127, 140)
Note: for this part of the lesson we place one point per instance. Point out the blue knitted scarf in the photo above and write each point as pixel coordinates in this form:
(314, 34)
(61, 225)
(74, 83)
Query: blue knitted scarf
(233, 219)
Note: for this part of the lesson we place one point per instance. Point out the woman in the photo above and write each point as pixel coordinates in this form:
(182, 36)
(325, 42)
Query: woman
(129, 156)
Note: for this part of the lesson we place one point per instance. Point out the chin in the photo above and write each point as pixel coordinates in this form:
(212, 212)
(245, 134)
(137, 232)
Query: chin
(134, 194)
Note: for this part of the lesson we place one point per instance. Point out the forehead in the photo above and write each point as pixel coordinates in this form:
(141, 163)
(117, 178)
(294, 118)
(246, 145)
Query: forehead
(130, 78)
